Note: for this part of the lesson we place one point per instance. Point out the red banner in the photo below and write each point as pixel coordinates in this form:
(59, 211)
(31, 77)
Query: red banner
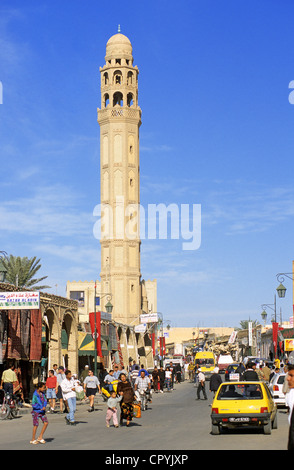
(275, 336)
(98, 329)
(162, 345)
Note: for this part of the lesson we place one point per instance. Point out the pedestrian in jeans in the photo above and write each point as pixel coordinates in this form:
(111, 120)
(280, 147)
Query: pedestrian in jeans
(111, 412)
(39, 404)
(168, 376)
(201, 385)
(52, 387)
(69, 394)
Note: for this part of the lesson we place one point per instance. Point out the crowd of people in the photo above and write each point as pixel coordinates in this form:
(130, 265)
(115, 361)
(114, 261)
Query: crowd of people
(120, 387)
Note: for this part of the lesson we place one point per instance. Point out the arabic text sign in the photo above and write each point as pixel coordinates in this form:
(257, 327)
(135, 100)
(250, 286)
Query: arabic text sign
(19, 300)
(149, 318)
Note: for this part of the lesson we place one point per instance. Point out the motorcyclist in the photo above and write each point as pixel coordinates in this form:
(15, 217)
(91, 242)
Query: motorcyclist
(142, 383)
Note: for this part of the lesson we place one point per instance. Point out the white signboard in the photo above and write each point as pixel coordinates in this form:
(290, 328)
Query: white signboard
(19, 300)
(234, 377)
(140, 328)
(149, 318)
(232, 337)
(250, 333)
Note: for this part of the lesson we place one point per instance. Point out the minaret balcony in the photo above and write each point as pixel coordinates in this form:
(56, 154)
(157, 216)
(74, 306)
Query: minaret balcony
(118, 112)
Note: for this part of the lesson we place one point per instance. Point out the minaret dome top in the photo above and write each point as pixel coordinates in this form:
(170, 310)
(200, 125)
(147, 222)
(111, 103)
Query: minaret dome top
(118, 46)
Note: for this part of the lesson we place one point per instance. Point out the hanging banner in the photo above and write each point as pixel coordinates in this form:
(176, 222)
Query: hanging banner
(232, 337)
(250, 343)
(275, 336)
(19, 300)
(162, 345)
(98, 329)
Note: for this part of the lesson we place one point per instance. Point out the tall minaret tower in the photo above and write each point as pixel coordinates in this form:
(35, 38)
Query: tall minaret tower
(119, 119)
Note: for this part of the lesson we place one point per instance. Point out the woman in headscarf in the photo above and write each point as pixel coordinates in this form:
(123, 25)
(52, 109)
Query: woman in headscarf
(125, 389)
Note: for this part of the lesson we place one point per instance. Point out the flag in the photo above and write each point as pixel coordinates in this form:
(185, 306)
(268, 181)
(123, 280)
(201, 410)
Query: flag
(98, 329)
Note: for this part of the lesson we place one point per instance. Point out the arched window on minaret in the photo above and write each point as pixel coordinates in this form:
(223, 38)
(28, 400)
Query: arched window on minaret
(118, 98)
(106, 100)
(106, 78)
(117, 77)
(130, 78)
(130, 99)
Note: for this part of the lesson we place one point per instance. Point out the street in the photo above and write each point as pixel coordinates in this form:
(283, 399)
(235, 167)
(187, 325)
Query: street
(175, 421)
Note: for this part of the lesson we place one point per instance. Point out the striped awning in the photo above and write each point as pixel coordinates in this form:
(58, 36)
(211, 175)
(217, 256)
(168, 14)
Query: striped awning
(87, 344)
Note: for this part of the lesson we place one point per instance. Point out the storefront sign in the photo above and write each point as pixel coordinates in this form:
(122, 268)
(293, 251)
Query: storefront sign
(289, 344)
(19, 300)
(149, 318)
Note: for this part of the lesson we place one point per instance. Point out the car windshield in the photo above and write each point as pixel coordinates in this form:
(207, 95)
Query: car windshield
(240, 392)
(205, 362)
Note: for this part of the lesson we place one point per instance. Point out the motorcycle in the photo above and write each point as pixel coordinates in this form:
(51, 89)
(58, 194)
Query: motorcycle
(9, 407)
(105, 389)
(144, 398)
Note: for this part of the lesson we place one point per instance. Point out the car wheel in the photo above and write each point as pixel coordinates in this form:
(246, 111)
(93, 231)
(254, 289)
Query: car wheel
(215, 429)
(267, 428)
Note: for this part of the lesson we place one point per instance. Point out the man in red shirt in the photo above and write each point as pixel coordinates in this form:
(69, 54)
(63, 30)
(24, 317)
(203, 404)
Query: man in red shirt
(52, 386)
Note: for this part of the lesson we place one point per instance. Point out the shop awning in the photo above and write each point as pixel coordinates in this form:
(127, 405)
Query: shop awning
(87, 344)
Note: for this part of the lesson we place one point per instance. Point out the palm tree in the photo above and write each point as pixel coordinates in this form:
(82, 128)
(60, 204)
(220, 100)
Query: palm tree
(21, 271)
(244, 324)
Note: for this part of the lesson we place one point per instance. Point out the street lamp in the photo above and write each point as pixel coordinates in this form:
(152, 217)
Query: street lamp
(109, 307)
(264, 316)
(272, 307)
(281, 290)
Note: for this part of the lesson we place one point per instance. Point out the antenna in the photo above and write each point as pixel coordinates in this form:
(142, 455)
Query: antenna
(118, 29)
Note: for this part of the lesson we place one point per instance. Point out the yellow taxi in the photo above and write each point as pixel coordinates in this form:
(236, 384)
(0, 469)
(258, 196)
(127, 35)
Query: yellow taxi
(243, 404)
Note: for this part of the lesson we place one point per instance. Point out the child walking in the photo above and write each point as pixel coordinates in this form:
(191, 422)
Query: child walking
(39, 404)
(112, 403)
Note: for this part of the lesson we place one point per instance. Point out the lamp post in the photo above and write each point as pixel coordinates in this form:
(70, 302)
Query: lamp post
(272, 307)
(264, 316)
(281, 289)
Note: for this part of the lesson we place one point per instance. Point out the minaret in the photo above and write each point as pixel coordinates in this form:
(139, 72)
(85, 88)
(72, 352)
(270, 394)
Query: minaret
(119, 119)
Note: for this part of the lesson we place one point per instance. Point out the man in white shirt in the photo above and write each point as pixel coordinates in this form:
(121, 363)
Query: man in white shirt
(69, 394)
(201, 385)
(142, 383)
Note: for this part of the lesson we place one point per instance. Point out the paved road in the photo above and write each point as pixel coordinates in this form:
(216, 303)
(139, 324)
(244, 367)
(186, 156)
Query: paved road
(176, 421)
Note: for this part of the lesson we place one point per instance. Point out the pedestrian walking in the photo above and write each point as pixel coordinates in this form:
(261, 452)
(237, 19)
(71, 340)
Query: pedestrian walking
(134, 374)
(155, 379)
(161, 375)
(266, 372)
(69, 394)
(8, 379)
(168, 378)
(59, 395)
(91, 387)
(39, 404)
(290, 404)
(125, 389)
(201, 385)
(111, 412)
(52, 388)
(250, 374)
(215, 381)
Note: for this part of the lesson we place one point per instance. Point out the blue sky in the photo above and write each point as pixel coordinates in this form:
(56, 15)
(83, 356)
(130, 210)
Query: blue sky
(217, 130)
